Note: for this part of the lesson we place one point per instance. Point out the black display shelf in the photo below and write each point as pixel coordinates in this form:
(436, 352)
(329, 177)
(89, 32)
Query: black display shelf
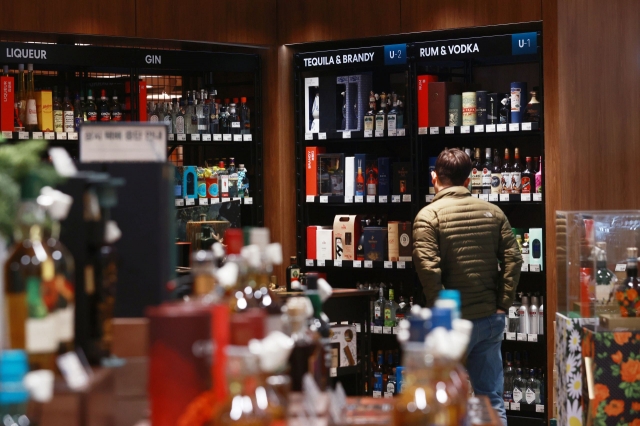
(504, 199)
(405, 199)
(196, 202)
(492, 130)
(208, 138)
(355, 136)
(356, 264)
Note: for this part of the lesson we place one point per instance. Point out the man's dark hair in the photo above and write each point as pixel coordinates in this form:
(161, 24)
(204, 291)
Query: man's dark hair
(453, 167)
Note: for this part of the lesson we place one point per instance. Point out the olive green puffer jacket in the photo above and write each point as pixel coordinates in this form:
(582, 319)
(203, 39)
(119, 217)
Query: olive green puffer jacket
(458, 241)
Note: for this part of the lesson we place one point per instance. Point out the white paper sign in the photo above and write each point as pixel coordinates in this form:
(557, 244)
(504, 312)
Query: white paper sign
(61, 136)
(484, 197)
(368, 264)
(494, 197)
(203, 201)
(539, 407)
(195, 137)
(491, 128)
(179, 202)
(449, 130)
(501, 127)
(25, 135)
(309, 262)
(515, 406)
(311, 199)
(248, 200)
(537, 196)
(357, 263)
(359, 199)
(383, 199)
(308, 136)
(181, 137)
(379, 133)
(478, 128)
(371, 198)
(247, 137)
(73, 371)
(423, 130)
(110, 142)
(532, 337)
(337, 263)
(171, 136)
(401, 132)
(526, 126)
(321, 262)
(227, 137)
(434, 130)
(401, 265)
(504, 198)
(621, 267)
(237, 138)
(534, 268)
(368, 133)
(324, 199)
(49, 136)
(395, 198)
(393, 132)
(377, 329)
(521, 337)
(386, 330)
(36, 135)
(346, 135)
(514, 127)
(388, 264)
(190, 201)
(406, 198)
(217, 137)
(7, 134)
(525, 197)
(510, 336)
(348, 199)
(465, 129)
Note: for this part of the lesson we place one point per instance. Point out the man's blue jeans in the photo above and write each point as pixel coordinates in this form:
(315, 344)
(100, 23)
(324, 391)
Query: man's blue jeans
(484, 360)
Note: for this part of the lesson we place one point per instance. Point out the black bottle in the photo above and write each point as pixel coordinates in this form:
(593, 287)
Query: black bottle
(505, 109)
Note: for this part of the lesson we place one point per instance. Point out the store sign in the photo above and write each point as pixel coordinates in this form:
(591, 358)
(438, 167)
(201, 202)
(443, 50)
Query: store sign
(395, 54)
(524, 44)
(133, 142)
(504, 45)
(371, 56)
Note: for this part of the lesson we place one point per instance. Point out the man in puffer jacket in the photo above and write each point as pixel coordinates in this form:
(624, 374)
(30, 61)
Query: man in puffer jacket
(466, 244)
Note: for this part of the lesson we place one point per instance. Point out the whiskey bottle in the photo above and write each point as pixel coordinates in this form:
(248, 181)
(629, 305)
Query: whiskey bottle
(359, 181)
(496, 174)
(390, 309)
(32, 113)
(378, 309)
(202, 113)
(91, 108)
(234, 119)
(516, 174)
(58, 115)
(369, 117)
(116, 111)
(527, 177)
(505, 178)
(532, 110)
(476, 174)
(486, 172)
(381, 115)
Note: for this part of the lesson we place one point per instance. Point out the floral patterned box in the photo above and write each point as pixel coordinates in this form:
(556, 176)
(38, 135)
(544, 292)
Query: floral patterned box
(568, 360)
(616, 358)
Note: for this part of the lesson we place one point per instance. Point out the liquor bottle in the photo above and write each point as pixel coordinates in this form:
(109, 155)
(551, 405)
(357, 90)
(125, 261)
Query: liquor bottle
(293, 273)
(533, 315)
(627, 293)
(212, 183)
(58, 114)
(17, 124)
(372, 181)
(486, 172)
(519, 387)
(233, 178)
(532, 110)
(505, 178)
(526, 250)
(505, 109)
(378, 309)
(234, 120)
(359, 181)
(180, 126)
(202, 111)
(214, 123)
(509, 376)
(476, 174)
(67, 113)
(516, 174)
(470, 186)
(243, 182)
(21, 95)
(245, 116)
(539, 177)
(304, 346)
(168, 117)
(32, 112)
(116, 111)
(30, 291)
(78, 116)
(91, 108)
(190, 117)
(83, 105)
(390, 309)
(392, 116)
(381, 115)
(528, 176)
(468, 108)
(455, 110)
(225, 125)
(104, 109)
(223, 180)
(481, 107)
(378, 372)
(523, 315)
(532, 394)
(496, 184)
(369, 117)
(541, 316)
(605, 278)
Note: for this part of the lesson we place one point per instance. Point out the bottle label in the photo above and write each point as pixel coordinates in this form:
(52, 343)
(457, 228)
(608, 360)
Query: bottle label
(368, 122)
(391, 387)
(371, 189)
(530, 396)
(387, 313)
(359, 188)
(505, 180)
(295, 275)
(486, 177)
(77, 123)
(538, 183)
(58, 121)
(507, 396)
(213, 190)
(224, 185)
(380, 122)
(517, 395)
(516, 182)
(180, 124)
(65, 323)
(117, 116)
(68, 121)
(377, 385)
(32, 112)
(526, 184)
(454, 117)
(153, 118)
(92, 116)
(515, 99)
(202, 190)
(177, 191)
(376, 312)
(105, 116)
(391, 122)
(496, 185)
(603, 291)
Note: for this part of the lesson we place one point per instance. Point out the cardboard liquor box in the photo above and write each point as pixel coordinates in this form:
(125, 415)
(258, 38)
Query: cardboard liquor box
(346, 233)
(311, 167)
(358, 100)
(324, 242)
(384, 176)
(400, 241)
(345, 336)
(341, 108)
(179, 181)
(44, 107)
(375, 243)
(189, 182)
(423, 99)
(312, 242)
(349, 176)
(330, 174)
(439, 101)
(312, 124)
(536, 255)
(7, 103)
(402, 178)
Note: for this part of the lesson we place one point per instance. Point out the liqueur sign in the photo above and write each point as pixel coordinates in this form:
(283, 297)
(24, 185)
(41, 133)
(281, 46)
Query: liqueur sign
(18, 53)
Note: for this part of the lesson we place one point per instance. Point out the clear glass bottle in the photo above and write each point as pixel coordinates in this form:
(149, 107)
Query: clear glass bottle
(505, 176)
(21, 94)
(391, 307)
(532, 394)
(67, 112)
(58, 114)
(519, 387)
(378, 309)
(180, 125)
(369, 117)
(31, 124)
(190, 118)
(225, 125)
(168, 118)
(509, 377)
(234, 120)
(516, 174)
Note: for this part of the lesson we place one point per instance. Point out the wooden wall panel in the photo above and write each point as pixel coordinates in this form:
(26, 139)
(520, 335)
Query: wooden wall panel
(303, 21)
(428, 15)
(238, 21)
(113, 18)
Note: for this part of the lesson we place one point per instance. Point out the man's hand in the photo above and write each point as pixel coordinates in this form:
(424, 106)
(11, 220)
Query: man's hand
(500, 311)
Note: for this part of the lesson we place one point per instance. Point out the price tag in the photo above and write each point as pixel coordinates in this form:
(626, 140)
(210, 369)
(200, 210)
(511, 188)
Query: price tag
(494, 197)
(388, 264)
(215, 200)
(371, 198)
(423, 130)
(203, 201)
(401, 132)
(534, 268)
(181, 137)
(368, 264)
(434, 130)
(195, 137)
(521, 337)
(491, 128)
(475, 195)
(449, 130)
(515, 406)
(429, 198)
(248, 201)
(40, 135)
(537, 196)
(386, 330)
(348, 199)
(510, 336)
(395, 330)
(337, 263)
(321, 262)
(406, 198)
(478, 128)
(7, 134)
(311, 199)
(514, 127)
(388, 394)
(401, 265)
(359, 199)
(179, 202)
(333, 372)
(237, 138)
(376, 394)
(379, 133)
(190, 201)
(225, 199)
(357, 263)
(217, 137)
(532, 338)
(501, 127)
(237, 199)
(524, 267)
(25, 135)
(395, 198)
(526, 126)
(358, 327)
(170, 136)
(309, 262)
(206, 137)
(504, 198)
(49, 136)
(227, 137)
(247, 137)
(484, 197)
(308, 136)
(525, 197)
(621, 267)
(72, 136)
(324, 199)
(393, 133)
(368, 133)
(376, 329)
(539, 407)
(383, 199)
(465, 129)
(346, 135)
